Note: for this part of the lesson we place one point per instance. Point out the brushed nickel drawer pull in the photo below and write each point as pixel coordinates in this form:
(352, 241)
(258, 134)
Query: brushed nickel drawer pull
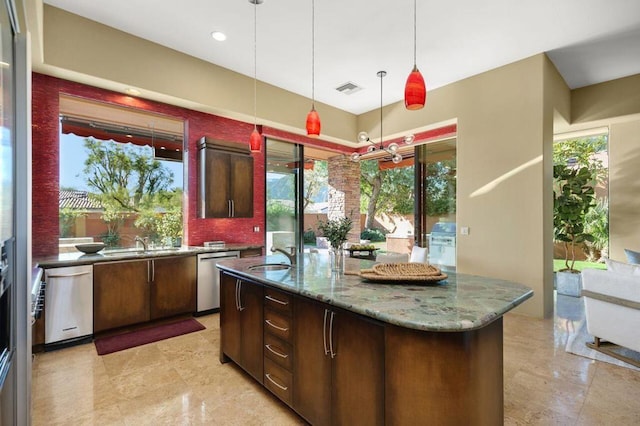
(275, 326)
(284, 388)
(281, 355)
(273, 299)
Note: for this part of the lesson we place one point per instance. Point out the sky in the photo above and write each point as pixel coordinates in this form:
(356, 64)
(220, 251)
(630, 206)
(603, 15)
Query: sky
(73, 156)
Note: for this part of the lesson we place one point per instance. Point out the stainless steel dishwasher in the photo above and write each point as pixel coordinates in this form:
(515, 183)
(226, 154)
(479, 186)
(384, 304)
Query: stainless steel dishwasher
(68, 303)
(209, 280)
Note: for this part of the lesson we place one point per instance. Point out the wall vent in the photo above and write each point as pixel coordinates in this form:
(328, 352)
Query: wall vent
(348, 88)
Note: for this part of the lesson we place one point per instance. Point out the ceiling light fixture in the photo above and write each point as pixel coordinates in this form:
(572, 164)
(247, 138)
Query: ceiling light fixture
(219, 36)
(392, 149)
(255, 140)
(313, 119)
(131, 91)
(415, 91)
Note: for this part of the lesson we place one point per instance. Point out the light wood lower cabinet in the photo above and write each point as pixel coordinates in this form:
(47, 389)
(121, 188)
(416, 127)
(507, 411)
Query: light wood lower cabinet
(241, 316)
(132, 292)
(338, 366)
(120, 294)
(173, 288)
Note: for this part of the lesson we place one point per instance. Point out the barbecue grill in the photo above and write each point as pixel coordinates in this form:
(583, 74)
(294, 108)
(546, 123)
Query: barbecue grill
(442, 244)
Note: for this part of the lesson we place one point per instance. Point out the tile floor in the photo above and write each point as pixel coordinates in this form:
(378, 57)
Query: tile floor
(180, 381)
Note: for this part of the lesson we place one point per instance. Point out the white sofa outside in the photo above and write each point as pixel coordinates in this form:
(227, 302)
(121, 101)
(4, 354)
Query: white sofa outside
(612, 306)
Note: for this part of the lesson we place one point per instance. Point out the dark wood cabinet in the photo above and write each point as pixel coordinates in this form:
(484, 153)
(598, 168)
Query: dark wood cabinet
(131, 292)
(120, 294)
(173, 286)
(226, 180)
(241, 316)
(338, 365)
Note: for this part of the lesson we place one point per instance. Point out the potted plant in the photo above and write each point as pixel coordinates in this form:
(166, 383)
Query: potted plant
(573, 198)
(336, 231)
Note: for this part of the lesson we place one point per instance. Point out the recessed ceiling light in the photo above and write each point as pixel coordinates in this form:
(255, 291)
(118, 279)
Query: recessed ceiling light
(132, 92)
(219, 35)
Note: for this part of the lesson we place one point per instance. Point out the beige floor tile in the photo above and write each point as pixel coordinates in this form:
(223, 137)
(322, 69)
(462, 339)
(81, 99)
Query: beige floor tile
(181, 381)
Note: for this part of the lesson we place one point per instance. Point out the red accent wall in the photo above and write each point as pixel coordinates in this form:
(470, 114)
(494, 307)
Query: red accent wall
(45, 136)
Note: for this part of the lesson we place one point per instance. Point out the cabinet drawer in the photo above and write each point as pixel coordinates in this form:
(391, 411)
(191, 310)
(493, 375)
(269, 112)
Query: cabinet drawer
(277, 324)
(278, 351)
(278, 380)
(277, 300)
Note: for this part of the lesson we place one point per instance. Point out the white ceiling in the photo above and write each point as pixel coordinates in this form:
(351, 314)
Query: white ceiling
(590, 41)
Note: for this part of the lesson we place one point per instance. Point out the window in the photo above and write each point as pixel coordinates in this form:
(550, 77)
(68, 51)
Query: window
(119, 181)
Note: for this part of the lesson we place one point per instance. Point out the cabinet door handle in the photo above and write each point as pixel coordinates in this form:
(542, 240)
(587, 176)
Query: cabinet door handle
(275, 326)
(237, 302)
(239, 287)
(233, 208)
(273, 351)
(228, 208)
(268, 376)
(148, 271)
(324, 332)
(77, 274)
(273, 299)
(333, 354)
(153, 270)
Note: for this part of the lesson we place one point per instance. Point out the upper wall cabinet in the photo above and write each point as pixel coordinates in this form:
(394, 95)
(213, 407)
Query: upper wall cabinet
(226, 179)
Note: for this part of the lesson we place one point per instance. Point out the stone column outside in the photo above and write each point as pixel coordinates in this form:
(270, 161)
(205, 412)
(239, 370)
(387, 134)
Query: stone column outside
(344, 192)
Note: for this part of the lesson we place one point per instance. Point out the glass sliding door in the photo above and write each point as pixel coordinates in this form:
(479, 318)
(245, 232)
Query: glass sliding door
(435, 221)
(283, 200)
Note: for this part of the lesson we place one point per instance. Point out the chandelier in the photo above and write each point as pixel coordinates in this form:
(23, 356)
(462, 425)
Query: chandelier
(373, 149)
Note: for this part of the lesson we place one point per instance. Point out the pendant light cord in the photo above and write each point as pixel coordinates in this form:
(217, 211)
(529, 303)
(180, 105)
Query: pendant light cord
(255, 64)
(313, 54)
(414, 33)
(382, 74)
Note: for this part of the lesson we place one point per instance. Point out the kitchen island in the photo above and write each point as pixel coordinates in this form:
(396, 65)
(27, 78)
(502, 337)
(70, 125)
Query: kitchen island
(338, 349)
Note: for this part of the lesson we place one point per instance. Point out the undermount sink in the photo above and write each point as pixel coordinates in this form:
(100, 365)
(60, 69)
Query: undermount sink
(269, 267)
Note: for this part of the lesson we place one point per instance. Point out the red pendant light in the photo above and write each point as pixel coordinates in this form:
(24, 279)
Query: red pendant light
(255, 140)
(313, 118)
(313, 123)
(415, 91)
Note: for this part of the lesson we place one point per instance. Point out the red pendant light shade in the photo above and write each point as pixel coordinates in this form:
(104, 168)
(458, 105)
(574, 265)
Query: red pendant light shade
(415, 91)
(313, 124)
(255, 140)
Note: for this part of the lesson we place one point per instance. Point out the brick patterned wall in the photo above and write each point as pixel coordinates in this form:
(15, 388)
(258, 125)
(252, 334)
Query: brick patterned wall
(344, 192)
(45, 136)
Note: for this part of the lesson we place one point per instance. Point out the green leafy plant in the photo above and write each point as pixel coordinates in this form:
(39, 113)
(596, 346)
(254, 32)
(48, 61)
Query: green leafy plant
(309, 237)
(335, 230)
(597, 224)
(573, 198)
(374, 235)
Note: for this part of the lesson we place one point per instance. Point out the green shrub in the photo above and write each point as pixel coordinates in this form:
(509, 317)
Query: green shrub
(309, 237)
(373, 235)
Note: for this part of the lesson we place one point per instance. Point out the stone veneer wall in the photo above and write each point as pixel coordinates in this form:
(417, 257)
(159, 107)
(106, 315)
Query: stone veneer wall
(344, 192)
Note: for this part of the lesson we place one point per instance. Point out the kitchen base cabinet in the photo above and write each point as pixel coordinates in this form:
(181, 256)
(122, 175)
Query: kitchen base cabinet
(338, 366)
(173, 289)
(120, 294)
(132, 292)
(241, 316)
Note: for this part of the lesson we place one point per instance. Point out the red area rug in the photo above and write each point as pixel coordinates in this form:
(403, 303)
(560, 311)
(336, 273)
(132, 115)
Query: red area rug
(131, 339)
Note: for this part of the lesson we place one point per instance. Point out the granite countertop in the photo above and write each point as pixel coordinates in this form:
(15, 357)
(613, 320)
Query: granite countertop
(461, 302)
(78, 258)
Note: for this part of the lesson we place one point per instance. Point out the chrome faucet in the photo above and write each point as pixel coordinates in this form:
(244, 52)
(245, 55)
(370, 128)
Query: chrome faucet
(291, 255)
(142, 241)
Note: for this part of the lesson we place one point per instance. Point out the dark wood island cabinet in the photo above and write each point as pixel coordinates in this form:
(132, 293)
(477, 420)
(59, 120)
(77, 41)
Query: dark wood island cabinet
(340, 350)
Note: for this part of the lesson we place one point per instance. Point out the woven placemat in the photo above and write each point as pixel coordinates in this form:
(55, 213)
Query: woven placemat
(405, 269)
(403, 272)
